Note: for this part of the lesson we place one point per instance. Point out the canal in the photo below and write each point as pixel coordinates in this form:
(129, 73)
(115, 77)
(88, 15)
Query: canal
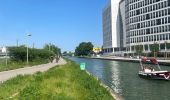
(123, 78)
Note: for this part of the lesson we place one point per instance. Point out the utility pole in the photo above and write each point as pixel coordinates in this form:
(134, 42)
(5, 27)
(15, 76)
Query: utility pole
(28, 35)
(6, 56)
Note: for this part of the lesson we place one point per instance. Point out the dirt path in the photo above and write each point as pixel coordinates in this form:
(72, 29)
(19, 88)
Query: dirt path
(29, 70)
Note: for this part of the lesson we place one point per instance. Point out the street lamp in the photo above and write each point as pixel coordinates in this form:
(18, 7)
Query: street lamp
(29, 35)
(6, 56)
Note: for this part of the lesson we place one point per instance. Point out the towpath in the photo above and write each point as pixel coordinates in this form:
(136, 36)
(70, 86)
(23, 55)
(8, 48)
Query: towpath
(5, 75)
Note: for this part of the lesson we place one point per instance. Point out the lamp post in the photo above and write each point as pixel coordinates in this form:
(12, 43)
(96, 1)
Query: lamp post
(6, 56)
(29, 35)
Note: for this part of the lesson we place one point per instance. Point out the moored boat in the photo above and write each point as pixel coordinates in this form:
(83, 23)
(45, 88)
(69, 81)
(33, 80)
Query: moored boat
(150, 72)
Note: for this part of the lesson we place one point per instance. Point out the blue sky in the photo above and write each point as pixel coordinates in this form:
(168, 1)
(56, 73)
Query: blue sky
(64, 23)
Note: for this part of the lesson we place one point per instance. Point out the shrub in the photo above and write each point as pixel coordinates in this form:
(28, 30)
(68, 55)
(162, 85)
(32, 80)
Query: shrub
(20, 53)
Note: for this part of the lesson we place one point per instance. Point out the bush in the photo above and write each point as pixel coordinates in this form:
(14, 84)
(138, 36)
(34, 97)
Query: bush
(20, 53)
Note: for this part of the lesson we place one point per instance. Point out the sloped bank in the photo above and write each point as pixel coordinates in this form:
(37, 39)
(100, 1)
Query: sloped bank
(114, 95)
(63, 82)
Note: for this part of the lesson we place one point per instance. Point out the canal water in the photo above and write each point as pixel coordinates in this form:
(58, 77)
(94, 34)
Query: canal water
(123, 78)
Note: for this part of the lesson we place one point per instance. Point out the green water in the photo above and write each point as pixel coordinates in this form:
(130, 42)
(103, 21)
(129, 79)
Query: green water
(123, 78)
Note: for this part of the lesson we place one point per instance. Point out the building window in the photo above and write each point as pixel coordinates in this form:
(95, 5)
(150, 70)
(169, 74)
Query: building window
(165, 12)
(146, 47)
(161, 37)
(162, 29)
(165, 20)
(157, 0)
(156, 14)
(154, 37)
(162, 20)
(166, 36)
(169, 10)
(158, 21)
(147, 17)
(158, 38)
(151, 30)
(165, 27)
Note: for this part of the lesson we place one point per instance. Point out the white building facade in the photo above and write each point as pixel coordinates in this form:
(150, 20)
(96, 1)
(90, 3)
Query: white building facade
(127, 23)
(113, 33)
(147, 23)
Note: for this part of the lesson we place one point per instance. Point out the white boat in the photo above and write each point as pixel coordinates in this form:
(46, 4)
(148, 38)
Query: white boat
(149, 72)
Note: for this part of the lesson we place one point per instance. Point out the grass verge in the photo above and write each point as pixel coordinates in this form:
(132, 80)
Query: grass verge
(14, 64)
(64, 82)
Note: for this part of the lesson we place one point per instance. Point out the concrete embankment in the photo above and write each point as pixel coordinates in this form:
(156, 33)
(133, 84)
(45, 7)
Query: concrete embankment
(161, 62)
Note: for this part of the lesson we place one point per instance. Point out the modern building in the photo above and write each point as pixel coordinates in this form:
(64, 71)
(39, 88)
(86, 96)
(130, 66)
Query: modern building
(139, 22)
(114, 27)
(147, 23)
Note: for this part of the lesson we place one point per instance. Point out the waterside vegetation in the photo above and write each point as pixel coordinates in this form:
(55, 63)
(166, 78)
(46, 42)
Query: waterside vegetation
(64, 82)
(18, 56)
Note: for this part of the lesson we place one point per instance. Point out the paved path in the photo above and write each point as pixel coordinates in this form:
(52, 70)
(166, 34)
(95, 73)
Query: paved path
(28, 70)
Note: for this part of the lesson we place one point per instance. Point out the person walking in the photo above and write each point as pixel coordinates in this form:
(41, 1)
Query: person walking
(57, 59)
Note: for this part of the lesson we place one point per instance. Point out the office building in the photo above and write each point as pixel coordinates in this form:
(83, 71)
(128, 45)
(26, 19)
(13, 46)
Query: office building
(114, 27)
(138, 22)
(147, 23)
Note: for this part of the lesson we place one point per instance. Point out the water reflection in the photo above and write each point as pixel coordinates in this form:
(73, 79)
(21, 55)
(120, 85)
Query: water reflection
(115, 77)
(96, 67)
(123, 78)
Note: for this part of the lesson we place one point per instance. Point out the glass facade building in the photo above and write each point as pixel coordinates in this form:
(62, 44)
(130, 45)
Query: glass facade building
(141, 22)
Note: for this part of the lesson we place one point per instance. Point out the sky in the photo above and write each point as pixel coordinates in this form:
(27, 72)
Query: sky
(64, 23)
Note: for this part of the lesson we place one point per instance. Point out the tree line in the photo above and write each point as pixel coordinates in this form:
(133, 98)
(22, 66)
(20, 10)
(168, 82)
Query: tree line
(20, 53)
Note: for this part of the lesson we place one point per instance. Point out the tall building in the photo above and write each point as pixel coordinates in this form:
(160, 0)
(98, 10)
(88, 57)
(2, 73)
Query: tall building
(113, 31)
(147, 23)
(127, 23)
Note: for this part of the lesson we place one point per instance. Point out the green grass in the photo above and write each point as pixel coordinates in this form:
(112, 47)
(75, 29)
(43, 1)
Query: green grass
(14, 65)
(66, 82)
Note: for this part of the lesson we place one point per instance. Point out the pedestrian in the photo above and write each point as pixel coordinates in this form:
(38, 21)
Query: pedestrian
(51, 59)
(57, 59)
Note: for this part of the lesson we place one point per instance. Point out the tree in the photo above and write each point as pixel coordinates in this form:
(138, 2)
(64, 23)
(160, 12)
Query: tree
(53, 48)
(19, 53)
(64, 53)
(154, 48)
(84, 49)
(139, 49)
